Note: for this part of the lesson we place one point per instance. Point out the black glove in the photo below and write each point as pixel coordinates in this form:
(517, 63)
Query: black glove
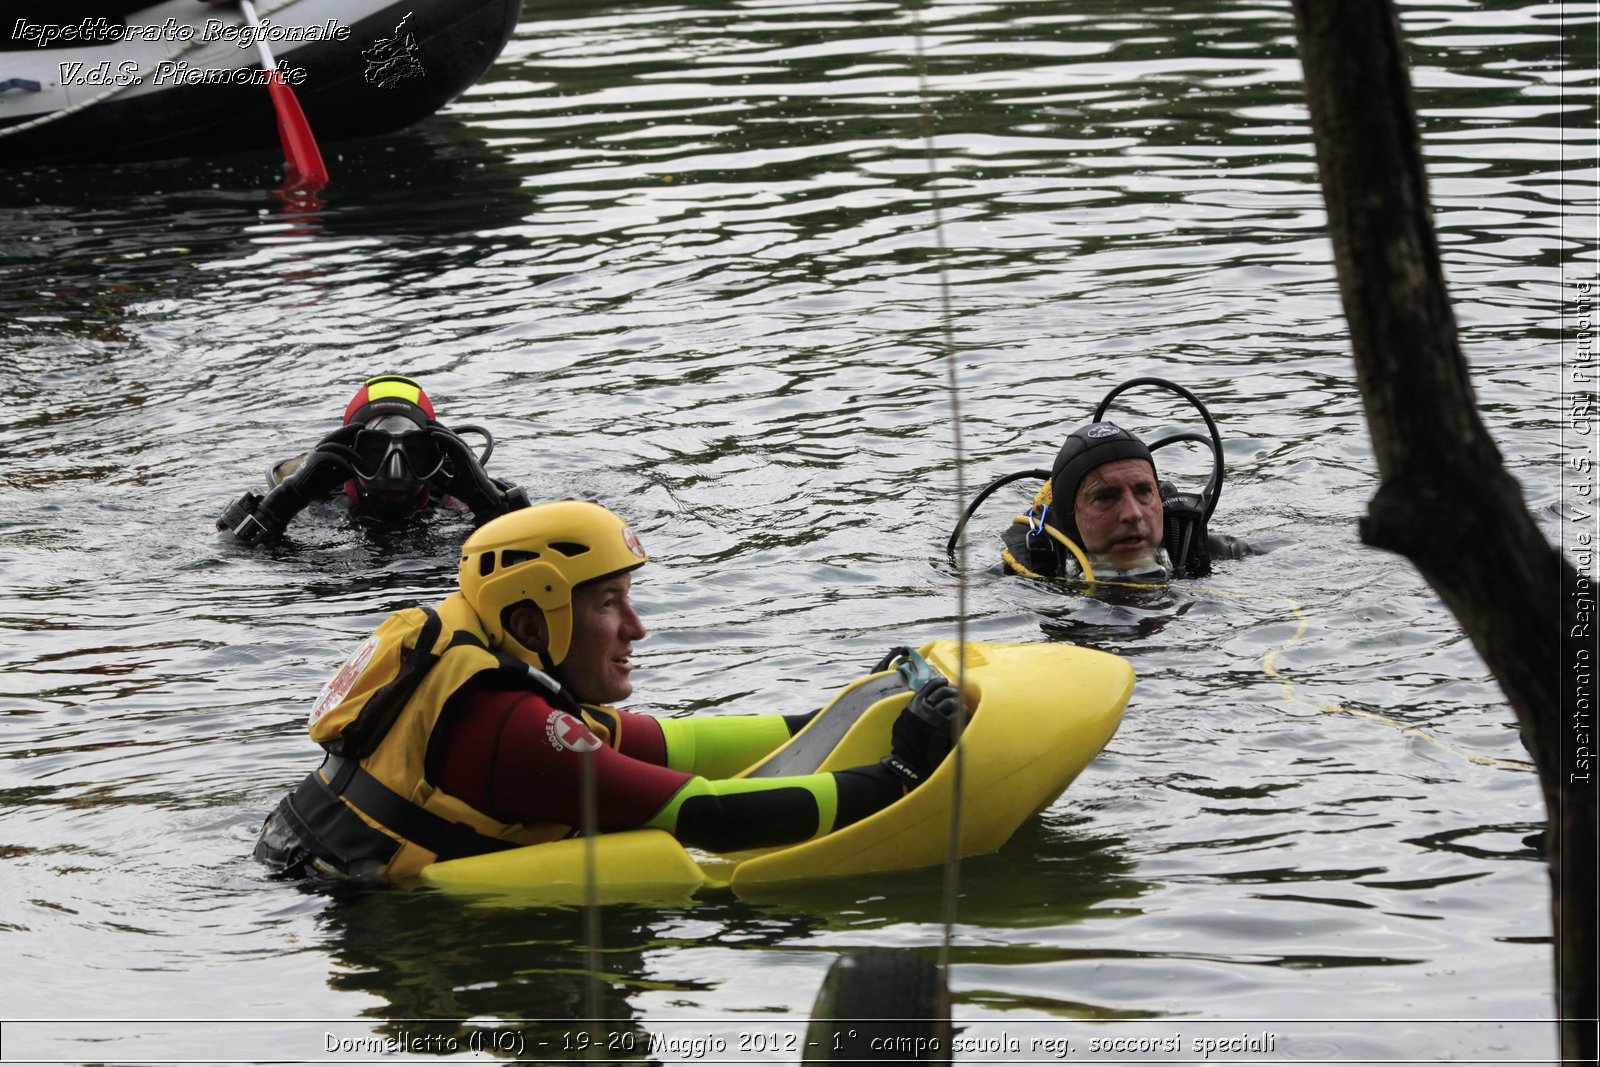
(345, 435)
(239, 518)
(516, 496)
(923, 732)
(464, 478)
(326, 468)
(254, 518)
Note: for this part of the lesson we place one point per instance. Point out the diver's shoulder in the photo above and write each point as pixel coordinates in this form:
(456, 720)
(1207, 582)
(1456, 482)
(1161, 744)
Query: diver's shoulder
(1229, 546)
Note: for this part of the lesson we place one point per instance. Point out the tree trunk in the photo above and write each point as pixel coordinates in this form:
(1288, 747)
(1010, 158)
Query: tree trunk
(1445, 500)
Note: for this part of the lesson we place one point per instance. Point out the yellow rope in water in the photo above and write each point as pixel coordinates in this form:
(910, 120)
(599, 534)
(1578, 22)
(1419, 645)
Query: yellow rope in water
(1268, 664)
(1289, 693)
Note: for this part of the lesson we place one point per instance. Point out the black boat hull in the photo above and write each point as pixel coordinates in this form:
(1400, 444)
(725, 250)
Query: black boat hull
(344, 91)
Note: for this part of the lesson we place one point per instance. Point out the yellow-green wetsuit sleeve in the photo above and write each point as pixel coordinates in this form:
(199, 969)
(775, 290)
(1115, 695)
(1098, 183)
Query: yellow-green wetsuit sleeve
(720, 746)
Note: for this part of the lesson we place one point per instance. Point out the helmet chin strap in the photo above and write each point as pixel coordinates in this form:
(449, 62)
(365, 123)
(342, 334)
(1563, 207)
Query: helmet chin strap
(545, 666)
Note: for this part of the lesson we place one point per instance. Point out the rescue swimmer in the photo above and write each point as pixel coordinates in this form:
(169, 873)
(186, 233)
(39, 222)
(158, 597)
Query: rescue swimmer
(463, 729)
(390, 459)
(1104, 514)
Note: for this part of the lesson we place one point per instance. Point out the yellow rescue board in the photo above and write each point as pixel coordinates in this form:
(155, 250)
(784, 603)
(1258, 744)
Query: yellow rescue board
(1040, 713)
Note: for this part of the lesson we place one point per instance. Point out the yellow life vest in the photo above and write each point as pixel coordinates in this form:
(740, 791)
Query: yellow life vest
(370, 809)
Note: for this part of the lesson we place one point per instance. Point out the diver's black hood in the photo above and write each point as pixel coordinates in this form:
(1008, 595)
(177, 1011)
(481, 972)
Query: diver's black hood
(1086, 448)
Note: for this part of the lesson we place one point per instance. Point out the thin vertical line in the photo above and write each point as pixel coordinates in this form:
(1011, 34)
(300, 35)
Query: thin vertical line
(591, 905)
(952, 865)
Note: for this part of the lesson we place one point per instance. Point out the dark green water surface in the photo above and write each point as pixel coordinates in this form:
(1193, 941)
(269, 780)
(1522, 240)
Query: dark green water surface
(681, 259)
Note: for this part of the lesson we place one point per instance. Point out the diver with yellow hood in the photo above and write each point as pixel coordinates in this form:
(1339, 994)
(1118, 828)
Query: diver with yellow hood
(464, 729)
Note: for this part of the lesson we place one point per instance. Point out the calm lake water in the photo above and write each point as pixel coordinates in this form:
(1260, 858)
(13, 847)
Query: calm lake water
(680, 259)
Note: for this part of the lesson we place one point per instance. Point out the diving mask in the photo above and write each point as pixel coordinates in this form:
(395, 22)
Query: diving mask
(390, 450)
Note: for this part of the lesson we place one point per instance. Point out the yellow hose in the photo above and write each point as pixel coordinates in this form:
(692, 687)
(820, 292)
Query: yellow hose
(1072, 546)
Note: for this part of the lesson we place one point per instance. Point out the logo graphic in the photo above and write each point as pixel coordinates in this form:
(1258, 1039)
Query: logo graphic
(631, 539)
(339, 685)
(391, 60)
(1102, 429)
(567, 732)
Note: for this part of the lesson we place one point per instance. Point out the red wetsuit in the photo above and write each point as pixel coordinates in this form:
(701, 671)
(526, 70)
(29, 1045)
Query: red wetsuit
(511, 755)
(515, 757)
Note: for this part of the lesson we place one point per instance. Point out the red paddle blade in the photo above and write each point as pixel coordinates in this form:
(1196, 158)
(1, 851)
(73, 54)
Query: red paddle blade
(306, 169)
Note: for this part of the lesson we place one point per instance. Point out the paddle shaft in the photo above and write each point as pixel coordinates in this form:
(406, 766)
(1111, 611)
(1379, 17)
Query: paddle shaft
(306, 169)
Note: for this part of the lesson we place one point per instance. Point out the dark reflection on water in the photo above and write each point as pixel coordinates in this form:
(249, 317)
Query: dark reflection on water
(427, 958)
(389, 941)
(680, 259)
(1110, 619)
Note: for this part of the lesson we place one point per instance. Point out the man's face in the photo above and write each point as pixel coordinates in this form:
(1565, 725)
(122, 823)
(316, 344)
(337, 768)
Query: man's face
(604, 628)
(1119, 513)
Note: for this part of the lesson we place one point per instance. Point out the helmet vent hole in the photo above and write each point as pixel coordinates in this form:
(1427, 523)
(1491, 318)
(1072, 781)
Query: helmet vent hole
(569, 548)
(510, 557)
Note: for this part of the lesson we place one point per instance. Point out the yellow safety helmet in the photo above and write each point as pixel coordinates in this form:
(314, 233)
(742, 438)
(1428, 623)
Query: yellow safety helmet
(541, 553)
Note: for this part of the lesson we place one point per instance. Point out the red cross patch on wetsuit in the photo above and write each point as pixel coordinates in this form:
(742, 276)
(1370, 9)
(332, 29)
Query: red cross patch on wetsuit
(505, 755)
(567, 732)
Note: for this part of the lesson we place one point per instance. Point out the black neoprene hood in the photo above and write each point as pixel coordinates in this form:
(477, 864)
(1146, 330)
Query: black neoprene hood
(1086, 448)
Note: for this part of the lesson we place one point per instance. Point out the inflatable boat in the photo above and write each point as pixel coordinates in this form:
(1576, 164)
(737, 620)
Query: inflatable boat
(182, 78)
(1039, 714)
